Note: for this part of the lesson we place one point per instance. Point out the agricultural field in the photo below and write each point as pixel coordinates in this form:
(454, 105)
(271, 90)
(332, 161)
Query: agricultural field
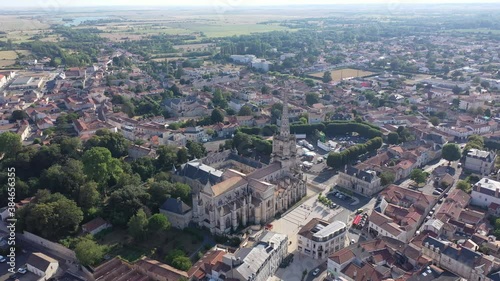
(345, 73)
(8, 58)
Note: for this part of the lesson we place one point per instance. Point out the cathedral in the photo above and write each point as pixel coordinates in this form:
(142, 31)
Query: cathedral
(231, 191)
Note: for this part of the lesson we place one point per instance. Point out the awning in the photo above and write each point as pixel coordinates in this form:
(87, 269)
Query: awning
(357, 220)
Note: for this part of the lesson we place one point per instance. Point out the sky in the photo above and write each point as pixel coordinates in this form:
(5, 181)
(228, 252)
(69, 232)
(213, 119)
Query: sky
(232, 3)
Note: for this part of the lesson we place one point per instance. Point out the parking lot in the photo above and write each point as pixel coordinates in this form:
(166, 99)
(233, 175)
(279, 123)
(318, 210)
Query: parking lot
(21, 259)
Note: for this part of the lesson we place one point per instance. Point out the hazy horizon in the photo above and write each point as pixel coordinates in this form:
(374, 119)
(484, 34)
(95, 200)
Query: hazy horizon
(231, 3)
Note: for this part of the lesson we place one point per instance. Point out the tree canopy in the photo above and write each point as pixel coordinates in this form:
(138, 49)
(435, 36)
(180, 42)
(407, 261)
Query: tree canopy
(88, 252)
(451, 152)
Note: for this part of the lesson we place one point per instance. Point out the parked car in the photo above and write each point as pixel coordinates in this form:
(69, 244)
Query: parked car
(440, 190)
(359, 211)
(435, 192)
(315, 272)
(22, 270)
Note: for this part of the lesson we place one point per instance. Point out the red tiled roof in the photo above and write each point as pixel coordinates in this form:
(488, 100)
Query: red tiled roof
(94, 224)
(342, 256)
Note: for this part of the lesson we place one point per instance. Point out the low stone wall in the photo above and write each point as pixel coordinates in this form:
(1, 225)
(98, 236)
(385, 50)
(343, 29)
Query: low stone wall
(51, 247)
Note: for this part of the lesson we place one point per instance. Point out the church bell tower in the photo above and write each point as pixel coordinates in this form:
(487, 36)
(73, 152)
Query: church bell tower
(284, 144)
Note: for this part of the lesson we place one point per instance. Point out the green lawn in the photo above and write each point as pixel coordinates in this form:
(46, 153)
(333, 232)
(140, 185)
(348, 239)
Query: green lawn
(156, 246)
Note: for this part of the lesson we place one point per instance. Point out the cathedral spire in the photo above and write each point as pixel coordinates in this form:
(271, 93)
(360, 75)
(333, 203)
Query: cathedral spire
(285, 123)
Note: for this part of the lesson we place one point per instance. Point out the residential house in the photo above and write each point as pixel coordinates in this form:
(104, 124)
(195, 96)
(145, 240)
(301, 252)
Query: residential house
(246, 121)
(195, 133)
(480, 161)
(319, 238)
(470, 103)
(178, 213)
(364, 182)
(88, 129)
(261, 64)
(21, 128)
(137, 151)
(172, 138)
(260, 261)
(464, 262)
(485, 192)
(210, 267)
(77, 103)
(225, 130)
(42, 265)
(243, 59)
(376, 260)
(3, 80)
(398, 212)
(95, 226)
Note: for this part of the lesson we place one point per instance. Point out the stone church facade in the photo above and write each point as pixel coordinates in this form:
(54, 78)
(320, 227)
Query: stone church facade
(224, 200)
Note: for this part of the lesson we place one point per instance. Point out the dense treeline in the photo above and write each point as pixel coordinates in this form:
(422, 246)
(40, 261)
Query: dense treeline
(338, 128)
(74, 182)
(338, 160)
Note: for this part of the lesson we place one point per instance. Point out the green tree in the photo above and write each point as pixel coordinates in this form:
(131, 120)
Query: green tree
(487, 112)
(10, 143)
(161, 190)
(464, 185)
(456, 90)
(138, 225)
(100, 166)
(18, 115)
(485, 84)
(114, 142)
(182, 263)
(88, 252)
(312, 98)
(451, 152)
(217, 116)
(434, 120)
(196, 149)
(52, 216)
(158, 223)
(386, 178)
(125, 202)
(88, 196)
(144, 167)
(393, 138)
(66, 179)
(182, 156)
(418, 176)
(245, 111)
(174, 254)
(167, 157)
(327, 77)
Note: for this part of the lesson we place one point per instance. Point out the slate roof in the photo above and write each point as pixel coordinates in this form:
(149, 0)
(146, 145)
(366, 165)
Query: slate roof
(494, 276)
(40, 261)
(175, 206)
(197, 171)
(433, 273)
(360, 174)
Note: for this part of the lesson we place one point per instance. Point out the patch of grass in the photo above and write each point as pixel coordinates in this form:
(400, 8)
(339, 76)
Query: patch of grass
(130, 253)
(8, 55)
(5, 63)
(157, 247)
